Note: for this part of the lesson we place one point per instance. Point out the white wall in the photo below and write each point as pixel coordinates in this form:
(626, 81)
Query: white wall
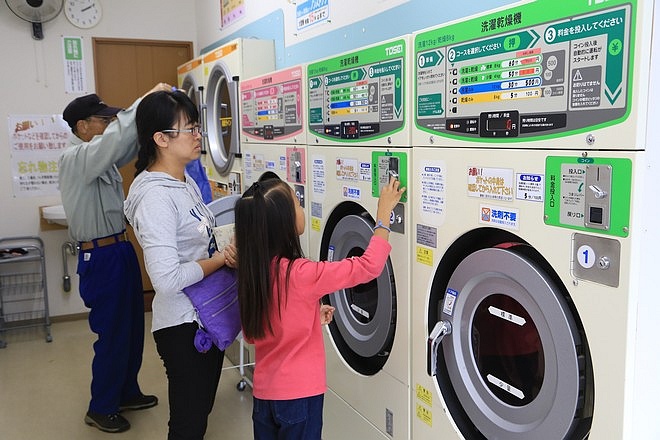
(33, 83)
(352, 24)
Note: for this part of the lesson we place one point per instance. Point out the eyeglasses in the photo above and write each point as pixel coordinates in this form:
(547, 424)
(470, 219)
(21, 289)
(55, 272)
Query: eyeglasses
(194, 131)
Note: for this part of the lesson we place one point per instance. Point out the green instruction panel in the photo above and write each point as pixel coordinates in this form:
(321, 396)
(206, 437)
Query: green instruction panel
(359, 96)
(542, 69)
(588, 194)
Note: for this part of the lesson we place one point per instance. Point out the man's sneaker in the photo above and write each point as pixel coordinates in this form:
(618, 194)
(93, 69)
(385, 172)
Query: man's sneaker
(139, 402)
(107, 422)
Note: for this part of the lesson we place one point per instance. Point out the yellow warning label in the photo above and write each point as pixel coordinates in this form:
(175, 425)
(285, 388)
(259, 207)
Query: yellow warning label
(316, 224)
(424, 414)
(424, 395)
(425, 255)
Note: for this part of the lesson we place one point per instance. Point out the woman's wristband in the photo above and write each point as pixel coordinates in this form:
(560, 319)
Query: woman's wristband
(381, 225)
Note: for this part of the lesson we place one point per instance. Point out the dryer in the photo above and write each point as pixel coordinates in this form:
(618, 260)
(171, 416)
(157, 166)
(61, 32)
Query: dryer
(359, 133)
(530, 162)
(274, 133)
(190, 79)
(223, 68)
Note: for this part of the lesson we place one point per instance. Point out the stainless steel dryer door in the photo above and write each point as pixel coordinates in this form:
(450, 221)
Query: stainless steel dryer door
(365, 317)
(222, 118)
(190, 87)
(511, 349)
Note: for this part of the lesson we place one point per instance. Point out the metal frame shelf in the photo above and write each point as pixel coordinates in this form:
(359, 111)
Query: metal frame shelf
(23, 286)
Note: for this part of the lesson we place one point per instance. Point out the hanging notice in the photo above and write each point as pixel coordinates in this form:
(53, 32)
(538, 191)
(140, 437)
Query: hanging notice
(231, 11)
(75, 80)
(312, 12)
(35, 143)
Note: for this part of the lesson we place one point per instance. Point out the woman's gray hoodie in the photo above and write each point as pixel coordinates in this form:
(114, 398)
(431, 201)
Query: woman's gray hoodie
(174, 228)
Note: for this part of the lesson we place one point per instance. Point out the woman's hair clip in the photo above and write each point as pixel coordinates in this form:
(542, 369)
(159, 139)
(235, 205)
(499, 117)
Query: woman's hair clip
(252, 190)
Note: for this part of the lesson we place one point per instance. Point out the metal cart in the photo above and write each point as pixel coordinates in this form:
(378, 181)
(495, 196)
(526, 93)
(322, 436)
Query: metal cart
(23, 286)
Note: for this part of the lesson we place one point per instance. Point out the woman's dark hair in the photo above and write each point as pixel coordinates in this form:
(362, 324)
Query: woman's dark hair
(268, 175)
(265, 219)
(156, 112)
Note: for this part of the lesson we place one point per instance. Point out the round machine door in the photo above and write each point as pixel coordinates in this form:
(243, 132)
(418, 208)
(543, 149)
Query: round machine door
(222, 118)
(364, 321)
(509, 355)
(190, 87)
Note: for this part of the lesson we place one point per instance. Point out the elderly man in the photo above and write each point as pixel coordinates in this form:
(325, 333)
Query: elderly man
(105, 138)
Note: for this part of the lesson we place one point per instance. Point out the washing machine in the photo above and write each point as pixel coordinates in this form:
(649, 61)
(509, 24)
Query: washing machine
(273, 131)
(367, 344)
(223, 68)
(533, 147)
(358, 136)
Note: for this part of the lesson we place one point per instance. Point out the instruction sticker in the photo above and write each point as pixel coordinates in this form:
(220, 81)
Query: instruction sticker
(258, 162)
(499, 216)
(347, 169)
(365, 171)
(351, 192)
(424, 255)
(530, 187)
(318, 175)
(427, 235)
(424, 394)
(449, 302)
(490, 183)
(431, 181)
(424, 414)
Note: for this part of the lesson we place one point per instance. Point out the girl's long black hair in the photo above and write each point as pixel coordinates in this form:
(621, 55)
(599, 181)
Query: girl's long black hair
(265, 219)
(156, 112)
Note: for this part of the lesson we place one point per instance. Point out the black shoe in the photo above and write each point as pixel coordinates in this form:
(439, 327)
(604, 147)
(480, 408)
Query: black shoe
(139, 402)
(107, 422)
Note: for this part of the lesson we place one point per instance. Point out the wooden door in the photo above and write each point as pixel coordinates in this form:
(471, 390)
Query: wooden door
(124, 70)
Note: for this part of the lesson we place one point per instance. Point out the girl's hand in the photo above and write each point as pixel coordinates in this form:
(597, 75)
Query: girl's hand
(390, 195)
(231, 255)
(326, 314)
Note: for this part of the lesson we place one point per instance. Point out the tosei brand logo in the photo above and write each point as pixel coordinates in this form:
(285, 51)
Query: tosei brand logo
(393, 50)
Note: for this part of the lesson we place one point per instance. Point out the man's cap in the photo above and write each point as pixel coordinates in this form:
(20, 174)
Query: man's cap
(85, 106)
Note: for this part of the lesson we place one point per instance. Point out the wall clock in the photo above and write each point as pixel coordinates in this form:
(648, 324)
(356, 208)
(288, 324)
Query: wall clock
(83, 13)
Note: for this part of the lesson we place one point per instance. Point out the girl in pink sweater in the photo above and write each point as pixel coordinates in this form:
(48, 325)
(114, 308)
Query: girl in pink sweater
(279, 292)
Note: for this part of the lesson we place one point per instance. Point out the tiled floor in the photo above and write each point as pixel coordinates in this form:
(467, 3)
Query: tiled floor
(44, 390)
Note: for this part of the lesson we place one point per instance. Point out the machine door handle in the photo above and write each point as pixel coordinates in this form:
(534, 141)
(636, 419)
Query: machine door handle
(202, 116)
(440, 330)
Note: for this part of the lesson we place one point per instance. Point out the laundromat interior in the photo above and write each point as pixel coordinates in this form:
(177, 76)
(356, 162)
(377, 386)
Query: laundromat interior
(519, 301)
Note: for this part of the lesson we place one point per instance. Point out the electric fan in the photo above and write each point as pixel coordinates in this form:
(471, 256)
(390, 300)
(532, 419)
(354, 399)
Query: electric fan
(36, 12)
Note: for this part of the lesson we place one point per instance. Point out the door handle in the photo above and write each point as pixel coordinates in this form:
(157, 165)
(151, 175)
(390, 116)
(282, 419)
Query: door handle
(440, 330)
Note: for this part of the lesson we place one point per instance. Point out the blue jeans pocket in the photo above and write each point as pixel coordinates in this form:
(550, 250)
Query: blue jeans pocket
(290, 412)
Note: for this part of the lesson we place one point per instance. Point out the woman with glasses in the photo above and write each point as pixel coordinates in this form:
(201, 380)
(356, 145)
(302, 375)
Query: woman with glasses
(175, 229)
